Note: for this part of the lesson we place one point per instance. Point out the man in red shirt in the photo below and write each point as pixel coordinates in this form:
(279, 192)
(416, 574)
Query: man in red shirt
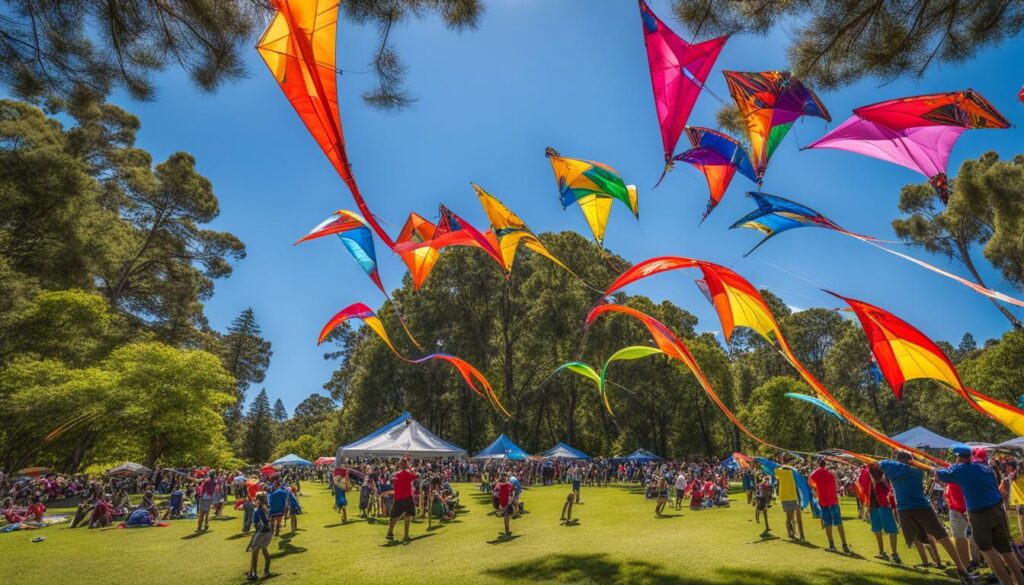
(404, 505)
(506, 501)
(824, 484)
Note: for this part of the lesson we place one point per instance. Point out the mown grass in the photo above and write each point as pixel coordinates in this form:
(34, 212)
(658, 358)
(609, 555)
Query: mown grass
(618, 541)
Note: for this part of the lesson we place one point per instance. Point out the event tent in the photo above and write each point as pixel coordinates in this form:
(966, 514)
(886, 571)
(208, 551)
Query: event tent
(400, 437)
(130, 469)
(643, 456)
(563, 451)
(324, 461)
(502, 448)
(922, 438)
(291, 460)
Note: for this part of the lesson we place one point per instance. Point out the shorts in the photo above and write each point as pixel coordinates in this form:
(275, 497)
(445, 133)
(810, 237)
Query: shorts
(576, 485)
(261, 539)
(791, 506)
(831, 515)
(919, 524)
(989, 528)
(404, 506)
(882, 520)
(204, 505)
(277, 516)
(340, 500)
(762, 503)
(680, 493)
(959, 525)
(509, 510)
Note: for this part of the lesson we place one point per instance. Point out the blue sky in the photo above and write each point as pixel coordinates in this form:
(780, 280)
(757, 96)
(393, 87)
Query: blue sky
(570, 74)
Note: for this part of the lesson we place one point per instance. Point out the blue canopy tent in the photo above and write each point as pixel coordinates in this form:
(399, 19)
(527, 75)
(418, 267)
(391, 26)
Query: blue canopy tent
(643, 456)
(563, 451)
(922, 438)
(398, 438)
(502, 448)
(292, 460)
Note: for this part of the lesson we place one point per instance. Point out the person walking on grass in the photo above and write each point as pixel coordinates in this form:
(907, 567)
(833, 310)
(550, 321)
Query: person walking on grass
(341, 485)
(294, 509)
(985, 512)
(567, 508)
(205, 494)
(680, 488)
(762, 501)
(920, 523)
(404, 506)
(506, 502)
(824, 484)
(260, 542)
(790, 501)
(876, 493)
(662, 492)
(277, 501)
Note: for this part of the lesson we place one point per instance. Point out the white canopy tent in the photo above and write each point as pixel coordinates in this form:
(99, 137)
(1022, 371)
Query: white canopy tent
(398, 438)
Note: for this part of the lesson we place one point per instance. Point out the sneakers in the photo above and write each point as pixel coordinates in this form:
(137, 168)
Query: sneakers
(846, 549)
(389, 536)
(896, 558)
(831, 548)
(882, 556)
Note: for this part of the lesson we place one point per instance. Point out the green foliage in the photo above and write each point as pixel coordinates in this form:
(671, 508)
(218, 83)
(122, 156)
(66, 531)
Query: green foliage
(258, 440)
(305, 446)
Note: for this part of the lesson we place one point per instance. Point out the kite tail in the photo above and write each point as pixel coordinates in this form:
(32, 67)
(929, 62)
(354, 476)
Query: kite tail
(668, 167)
(401, 320)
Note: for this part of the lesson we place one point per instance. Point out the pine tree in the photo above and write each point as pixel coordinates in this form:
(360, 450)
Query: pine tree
(258, 443)
(246, 355)
(280, 412)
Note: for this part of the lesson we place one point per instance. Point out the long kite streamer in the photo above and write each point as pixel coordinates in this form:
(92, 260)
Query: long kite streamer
(904, 354)
(821, 404)
(678, 72)
(299, 47)
(738, 304)
(775, 215)
(473, 378)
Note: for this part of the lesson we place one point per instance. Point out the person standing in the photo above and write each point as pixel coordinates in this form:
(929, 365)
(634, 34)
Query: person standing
(762, 502)
(205, 492)
(960, 526)
(985, 511)
(790, 501)
(920, 523)
(506, 502)
(748, 485)
(404, 506)
(824, 484)
(680, 488)
(260, 542)
(876, 493)
(278, 505)
(341, 485)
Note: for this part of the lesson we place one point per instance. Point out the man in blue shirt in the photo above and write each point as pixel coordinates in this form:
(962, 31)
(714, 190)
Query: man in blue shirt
(985, 511)
(920, 523)
(277, 501)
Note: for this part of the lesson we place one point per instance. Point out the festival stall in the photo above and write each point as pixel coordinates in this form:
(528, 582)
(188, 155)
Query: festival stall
(502, 448)
(292, 460)
(563, 451)
(922, 438)
(398, 438)
(642, 456)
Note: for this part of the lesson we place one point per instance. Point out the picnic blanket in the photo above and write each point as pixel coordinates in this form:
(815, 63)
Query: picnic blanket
(28, 525)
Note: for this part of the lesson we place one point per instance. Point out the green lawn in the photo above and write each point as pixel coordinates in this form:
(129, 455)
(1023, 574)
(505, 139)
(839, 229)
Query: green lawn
(617, 541)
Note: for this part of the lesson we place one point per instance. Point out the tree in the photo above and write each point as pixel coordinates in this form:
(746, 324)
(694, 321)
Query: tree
(840, 42)
(258, 443)
(246, 355)
(72, 326)
(94, 46)
(280, 412)
(980, 200)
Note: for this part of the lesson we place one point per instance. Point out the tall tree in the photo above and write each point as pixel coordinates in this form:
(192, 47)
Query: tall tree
(246, 355)
(258, 444)
(280, 412)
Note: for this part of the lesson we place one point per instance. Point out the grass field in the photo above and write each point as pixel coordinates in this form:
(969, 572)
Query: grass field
(617, 541)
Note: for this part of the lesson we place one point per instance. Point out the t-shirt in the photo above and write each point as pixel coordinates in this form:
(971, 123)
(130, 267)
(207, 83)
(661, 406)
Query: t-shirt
(825, 486)
(403, 484)
(907, 483)
(955, 498)
(277, 501)
(787, 485)
(681, 482)
(976, 480)
(518, 487)
(504, 493)
(207, 488)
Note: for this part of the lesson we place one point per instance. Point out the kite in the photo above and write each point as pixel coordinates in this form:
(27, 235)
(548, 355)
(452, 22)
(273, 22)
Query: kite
(770, 101)
(738, 304)
(473, 378)
(771, 468)
(627, 353)
(718, 156)
(678, 73)
(592, 186)
(355, 235)
(904, 353)
(824, 406)
(775, 215)
(509, 231)
(420, 242)
(915, 132)
(1020, 95)
(299, 48)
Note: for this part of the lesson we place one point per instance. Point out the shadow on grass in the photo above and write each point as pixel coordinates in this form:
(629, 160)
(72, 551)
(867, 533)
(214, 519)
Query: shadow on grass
(239, 535)
(286, 548)
(503, 539)
(192, 535)
(598, 568)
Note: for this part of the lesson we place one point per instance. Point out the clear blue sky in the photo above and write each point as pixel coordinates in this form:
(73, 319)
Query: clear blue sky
(571, 74)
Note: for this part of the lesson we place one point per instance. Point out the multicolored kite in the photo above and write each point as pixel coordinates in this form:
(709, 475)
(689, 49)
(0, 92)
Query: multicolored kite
(738, 304)
(354, 233)
(824, 406)
(473, 378)
(915, 132)
(420, 242)
(775, 215)
(509, 231)
(299, 48)
(904, 353)
(770, 101)
(593, 186)
(718, 156)
(678, 72)
(600, 380)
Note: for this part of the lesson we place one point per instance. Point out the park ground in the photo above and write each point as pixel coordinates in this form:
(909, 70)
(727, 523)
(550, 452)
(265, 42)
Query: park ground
(617, 541)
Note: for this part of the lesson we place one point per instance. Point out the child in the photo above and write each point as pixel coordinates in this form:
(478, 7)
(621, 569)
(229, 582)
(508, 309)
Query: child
(341, 485)
(35, 511)
(662, 490)
(567, 507)
(763, 500)
(261, 538)
(294, 509)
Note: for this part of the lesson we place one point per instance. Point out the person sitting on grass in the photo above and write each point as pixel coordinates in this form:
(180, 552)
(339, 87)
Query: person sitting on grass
(696, 494)
(11, 514)
(102, 513)
(260, 542)
(506, 502)
(148, 504)
(662, 492)
(175, 504)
